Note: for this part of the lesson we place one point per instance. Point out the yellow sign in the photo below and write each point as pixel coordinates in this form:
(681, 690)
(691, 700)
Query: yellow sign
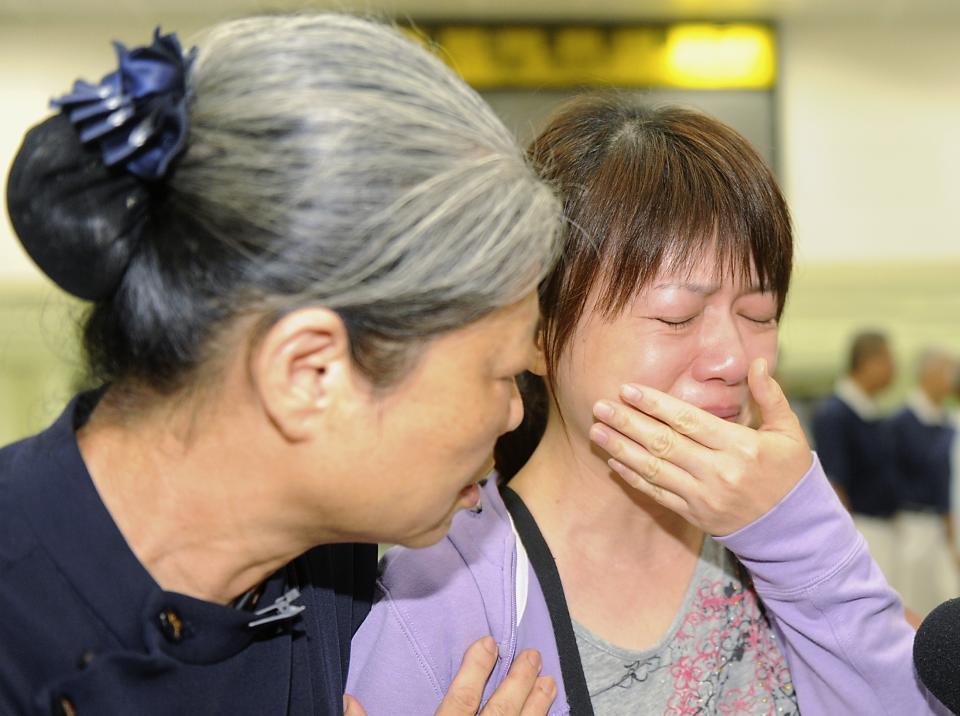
(687, 55)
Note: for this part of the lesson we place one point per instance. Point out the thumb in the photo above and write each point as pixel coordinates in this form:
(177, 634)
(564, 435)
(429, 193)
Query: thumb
(775, 411)
(352, 707)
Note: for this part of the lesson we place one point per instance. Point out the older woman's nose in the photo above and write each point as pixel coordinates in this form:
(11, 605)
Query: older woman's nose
(516, 409)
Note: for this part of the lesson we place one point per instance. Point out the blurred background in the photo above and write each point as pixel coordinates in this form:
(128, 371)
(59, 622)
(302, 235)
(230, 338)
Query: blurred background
(854, 103)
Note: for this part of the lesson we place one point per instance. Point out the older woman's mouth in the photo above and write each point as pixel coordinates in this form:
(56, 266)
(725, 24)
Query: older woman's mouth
(469, 496)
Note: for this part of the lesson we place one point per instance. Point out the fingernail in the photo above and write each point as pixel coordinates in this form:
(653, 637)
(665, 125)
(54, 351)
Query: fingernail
(603, 410)
(615, 465)
(548, 686)
(489, 644)
(631, 393)
(599, 435)
(533, 657)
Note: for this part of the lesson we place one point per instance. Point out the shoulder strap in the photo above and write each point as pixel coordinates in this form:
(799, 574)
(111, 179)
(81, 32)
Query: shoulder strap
(578, 698)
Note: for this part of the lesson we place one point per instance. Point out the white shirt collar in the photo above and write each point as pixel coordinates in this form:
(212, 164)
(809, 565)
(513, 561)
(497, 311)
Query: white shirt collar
(856, 399)
(926, 412)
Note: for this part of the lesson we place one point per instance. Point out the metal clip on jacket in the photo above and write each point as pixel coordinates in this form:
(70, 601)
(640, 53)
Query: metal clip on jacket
(283, 608)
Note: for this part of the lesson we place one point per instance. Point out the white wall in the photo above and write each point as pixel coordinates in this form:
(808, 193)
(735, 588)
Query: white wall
(869, 113)
(870, 139)
(39, 59)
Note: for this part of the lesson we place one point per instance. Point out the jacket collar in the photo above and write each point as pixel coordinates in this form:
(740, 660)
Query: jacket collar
(64, 509)
(926, 411)
(854, 397)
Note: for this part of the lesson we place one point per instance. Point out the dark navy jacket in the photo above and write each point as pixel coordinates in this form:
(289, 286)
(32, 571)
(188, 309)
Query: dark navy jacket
(857, 455)
(84, 629)
(922, 454)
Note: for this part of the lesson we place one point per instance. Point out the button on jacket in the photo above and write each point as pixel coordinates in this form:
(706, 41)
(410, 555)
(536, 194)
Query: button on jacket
(84, 628)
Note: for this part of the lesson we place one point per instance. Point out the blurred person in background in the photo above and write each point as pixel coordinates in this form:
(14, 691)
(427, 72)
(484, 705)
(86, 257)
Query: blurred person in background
(922, 435)
(848, 437)
(310, 250)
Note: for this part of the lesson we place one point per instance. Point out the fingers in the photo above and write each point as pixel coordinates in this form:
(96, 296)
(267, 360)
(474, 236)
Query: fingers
(541, 697)
(518, 688)
(352, 707)
(649, 485)
(466, 689)
(522, 693)
(637, 465)
(715, 473)
(657, 472)
(634, 438)
(775, 411)
(689, 420)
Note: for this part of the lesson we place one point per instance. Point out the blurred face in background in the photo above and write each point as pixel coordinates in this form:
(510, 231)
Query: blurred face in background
(939, 378)
(879, 369)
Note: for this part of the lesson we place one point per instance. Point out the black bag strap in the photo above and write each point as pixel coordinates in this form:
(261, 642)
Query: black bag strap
(545, 566)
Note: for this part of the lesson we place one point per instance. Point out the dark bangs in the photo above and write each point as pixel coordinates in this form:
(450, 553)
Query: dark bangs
(647, 189)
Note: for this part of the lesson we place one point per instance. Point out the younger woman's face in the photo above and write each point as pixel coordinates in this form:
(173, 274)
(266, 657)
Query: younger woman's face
(688, 334)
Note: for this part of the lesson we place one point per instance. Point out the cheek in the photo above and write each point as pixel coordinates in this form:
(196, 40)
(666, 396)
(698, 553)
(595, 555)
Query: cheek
(479, 417)
(649, 359)
(765, 345)
(660, 364)
(603, 361)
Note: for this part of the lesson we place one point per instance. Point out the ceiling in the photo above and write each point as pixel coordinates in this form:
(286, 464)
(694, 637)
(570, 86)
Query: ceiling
(517, 10)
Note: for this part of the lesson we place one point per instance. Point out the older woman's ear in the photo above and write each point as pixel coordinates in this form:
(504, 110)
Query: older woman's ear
(300, 368)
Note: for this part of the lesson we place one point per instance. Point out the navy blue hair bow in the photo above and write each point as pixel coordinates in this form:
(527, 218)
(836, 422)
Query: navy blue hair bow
(138, 113)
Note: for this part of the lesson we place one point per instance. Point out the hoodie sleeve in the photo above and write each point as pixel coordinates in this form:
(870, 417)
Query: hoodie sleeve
(849, 648)
(387, 666)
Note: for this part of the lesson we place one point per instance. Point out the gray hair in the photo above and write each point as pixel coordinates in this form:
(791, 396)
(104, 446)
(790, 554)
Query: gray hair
(332, 161)
(933, 359)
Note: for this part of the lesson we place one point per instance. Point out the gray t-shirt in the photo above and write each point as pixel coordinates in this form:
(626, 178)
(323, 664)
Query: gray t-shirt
(719, 656)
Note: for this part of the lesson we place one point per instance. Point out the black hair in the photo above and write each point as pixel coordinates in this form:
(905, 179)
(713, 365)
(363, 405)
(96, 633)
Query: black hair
(864, 346)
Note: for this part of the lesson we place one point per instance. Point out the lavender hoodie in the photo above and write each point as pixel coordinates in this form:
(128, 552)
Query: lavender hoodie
(840, 625)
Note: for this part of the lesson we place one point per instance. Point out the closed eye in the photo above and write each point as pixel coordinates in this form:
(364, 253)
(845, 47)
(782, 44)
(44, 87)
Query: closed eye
(675, 324)
(761, 321)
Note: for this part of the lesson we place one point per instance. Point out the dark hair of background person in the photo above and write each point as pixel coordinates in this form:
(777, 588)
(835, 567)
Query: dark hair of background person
(643, 189)
(864, 346)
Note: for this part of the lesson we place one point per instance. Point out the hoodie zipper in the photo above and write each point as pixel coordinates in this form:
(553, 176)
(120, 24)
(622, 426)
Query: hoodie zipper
(512, 648)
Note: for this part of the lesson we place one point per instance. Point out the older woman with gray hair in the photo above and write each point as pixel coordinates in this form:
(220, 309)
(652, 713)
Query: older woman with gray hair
(309, 250)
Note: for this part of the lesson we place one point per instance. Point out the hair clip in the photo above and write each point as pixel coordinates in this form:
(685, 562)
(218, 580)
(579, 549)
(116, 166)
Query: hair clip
(137, 114)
